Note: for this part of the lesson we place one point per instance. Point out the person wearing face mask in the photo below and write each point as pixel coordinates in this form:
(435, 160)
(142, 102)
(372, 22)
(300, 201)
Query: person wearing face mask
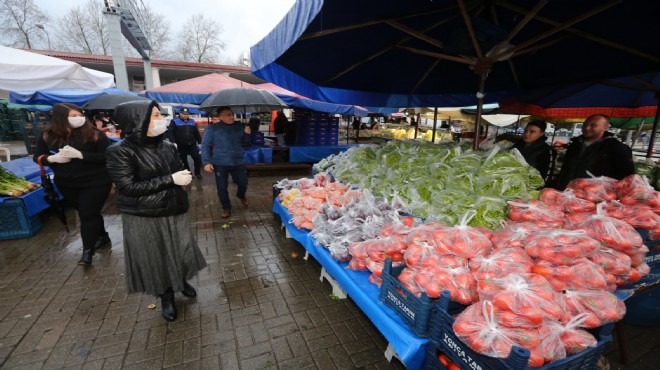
(75, 150)
(161, 253)
(534, 148)
(222, 154)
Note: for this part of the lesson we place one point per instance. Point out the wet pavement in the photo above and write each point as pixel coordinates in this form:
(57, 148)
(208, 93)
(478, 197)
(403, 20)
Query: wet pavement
(260, 305)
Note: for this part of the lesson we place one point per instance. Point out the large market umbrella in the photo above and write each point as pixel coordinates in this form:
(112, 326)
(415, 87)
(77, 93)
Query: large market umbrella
(244, 99)
(108, 102)
(194, 90)
(51, 196)
(420, 53)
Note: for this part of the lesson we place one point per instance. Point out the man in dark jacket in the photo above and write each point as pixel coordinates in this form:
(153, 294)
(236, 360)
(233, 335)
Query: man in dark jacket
(183, 131)
(223, 155)
(596, 152)
(534, 148)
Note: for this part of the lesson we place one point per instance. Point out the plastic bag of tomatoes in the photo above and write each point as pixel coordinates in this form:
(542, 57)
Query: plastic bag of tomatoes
(594, 189)
(536, 212)
(600, 307)
(609, 231)
(500, 263)
(582, 274)
(635, 189)
(560, 340)
(513, 235)
(560, 246)
(463, 240)
(521, 300)
(566, 201)
(478, 328)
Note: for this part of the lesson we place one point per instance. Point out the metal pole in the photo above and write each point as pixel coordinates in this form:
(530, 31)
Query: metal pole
(649, 152)
(480, 108)
(41, 27)
(435, 123)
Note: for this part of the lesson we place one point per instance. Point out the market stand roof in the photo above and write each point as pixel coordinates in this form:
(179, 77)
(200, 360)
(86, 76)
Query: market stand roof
(21, 70)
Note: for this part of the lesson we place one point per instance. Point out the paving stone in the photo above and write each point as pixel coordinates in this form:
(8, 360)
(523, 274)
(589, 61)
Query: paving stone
(192, 350)
(144, 355)
(281, 349)
(173, 354)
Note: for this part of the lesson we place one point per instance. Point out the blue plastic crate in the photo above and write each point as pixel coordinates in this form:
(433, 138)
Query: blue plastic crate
(416, 312)
(15, 222)
(653, 256)
(443, 338)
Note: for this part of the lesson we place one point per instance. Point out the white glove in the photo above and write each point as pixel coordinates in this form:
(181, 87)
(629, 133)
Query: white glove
(182, 178)
(58, 158)
(71, 152)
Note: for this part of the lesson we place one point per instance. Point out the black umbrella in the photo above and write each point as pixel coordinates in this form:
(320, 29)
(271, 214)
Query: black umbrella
(51, 195)
(245, 99)
(108, 102)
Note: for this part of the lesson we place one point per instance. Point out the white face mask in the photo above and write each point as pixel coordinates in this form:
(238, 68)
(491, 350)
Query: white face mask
(76, 122)
(160, 126)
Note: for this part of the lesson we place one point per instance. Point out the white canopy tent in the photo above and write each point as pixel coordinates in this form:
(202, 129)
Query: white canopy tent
(22, 70)
(502, 120)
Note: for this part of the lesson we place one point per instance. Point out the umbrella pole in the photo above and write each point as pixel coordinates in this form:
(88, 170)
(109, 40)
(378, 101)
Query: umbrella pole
(480, 108)
(649, 153)
(435, 123)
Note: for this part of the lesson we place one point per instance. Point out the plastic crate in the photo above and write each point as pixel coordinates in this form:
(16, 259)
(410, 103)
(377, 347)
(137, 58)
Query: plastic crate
(653, 256)
(431, 361)
(15, 222)
(415, 312)
(443, 338)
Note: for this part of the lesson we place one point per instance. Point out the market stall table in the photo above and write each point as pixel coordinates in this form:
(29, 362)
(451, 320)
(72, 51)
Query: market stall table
(408, 347)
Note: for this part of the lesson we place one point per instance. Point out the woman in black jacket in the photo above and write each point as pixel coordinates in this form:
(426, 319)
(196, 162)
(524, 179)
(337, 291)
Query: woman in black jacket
(161, 252)
(75, 150)
(534, 148)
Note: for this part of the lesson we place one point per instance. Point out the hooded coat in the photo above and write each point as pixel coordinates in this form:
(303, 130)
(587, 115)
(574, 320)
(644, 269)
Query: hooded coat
(142, 167)
(605, 157)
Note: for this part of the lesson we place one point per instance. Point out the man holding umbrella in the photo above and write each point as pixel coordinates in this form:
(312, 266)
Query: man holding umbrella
(222, 153)
(183, 131)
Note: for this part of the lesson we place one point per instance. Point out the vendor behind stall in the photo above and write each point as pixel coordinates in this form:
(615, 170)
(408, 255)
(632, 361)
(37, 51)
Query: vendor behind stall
(533, 147)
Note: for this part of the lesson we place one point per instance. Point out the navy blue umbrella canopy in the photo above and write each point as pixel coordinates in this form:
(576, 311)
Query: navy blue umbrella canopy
(441, 52)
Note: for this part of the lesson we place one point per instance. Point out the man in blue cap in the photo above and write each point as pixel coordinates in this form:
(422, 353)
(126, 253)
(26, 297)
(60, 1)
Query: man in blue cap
(183, 131)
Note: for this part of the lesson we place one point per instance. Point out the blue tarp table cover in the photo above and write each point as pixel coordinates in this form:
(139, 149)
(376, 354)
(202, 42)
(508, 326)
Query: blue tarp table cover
(409, 347)
(24, 167)
(258, 154)
(315, 153)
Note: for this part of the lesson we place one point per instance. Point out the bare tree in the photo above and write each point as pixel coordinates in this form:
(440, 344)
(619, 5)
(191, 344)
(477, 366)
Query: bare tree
(82, 29)
(155, 29)
(18, 22)
(200, 42)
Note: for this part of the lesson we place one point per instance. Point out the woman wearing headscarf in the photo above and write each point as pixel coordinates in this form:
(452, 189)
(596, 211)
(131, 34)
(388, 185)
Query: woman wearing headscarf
(161, 253)
(75, 150)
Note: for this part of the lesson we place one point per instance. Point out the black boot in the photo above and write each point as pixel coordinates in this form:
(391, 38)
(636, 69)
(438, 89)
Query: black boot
(103, 241)
(188, 290)
(86, 259)
(168, 307)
